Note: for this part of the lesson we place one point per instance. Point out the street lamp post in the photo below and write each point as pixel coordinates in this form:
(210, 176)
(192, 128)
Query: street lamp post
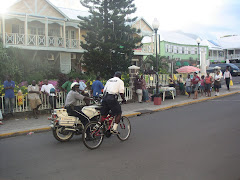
(198, 43)
(155, 26)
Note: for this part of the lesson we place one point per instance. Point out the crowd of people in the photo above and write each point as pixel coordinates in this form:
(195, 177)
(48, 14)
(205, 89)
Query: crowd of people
(34, 91)
(204, 85)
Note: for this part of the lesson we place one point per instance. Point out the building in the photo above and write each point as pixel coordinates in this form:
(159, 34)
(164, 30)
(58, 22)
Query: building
(52, 33)
(231, 47)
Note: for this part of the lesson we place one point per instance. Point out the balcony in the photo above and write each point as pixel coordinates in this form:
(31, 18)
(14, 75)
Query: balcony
(40, 41)
(217, 58)
(233, 56)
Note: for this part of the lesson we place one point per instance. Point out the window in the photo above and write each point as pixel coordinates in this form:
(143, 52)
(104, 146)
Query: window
(189, 50)
(196, 50)
(186, 50)
(54, 32)
(66, 34)
(73, 35)
(41, 31)
(180, 50)
(33, 30)
(15, 28)
(170, 48)
(166, 48)
(174, 49)
(192, 50)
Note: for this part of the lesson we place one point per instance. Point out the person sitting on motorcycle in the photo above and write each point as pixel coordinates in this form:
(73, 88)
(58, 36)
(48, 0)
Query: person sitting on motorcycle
(112, 89)
(71, 103)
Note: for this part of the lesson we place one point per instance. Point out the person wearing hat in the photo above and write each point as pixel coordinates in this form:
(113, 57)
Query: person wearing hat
(113, 88)
(71, 103)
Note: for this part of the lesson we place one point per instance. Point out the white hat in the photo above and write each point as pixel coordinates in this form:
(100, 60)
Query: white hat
(74, 84)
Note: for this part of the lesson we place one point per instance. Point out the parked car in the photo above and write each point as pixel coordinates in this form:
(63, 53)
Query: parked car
(234, 70)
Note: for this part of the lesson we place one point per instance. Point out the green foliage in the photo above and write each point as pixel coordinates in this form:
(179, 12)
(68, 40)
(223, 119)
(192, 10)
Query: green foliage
(162, 66)
(110, 40)
(21, 65)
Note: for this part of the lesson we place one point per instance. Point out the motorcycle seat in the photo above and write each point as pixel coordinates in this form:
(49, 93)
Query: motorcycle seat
(98, 108)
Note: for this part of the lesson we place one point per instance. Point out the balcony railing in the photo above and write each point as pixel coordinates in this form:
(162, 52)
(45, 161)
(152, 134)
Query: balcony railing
(40, 40)
(216, 58)
(233, 56)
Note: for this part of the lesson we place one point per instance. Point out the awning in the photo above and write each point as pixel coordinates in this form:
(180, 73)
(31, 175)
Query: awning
(178, 63)
(186, 63)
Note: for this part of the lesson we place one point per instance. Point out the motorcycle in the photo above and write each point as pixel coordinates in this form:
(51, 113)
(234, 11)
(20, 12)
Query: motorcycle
(64, 127)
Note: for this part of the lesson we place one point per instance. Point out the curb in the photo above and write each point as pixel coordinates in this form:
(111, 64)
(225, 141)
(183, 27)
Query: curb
(128, 115)
(195, 101)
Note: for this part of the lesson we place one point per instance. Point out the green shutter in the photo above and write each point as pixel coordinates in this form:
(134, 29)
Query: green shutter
(178, 63)
(186, 64)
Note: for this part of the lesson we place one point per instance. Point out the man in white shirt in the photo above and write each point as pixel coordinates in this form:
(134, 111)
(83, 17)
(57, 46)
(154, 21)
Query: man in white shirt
(227, 76)
(217, 83)
(112, 89)
(49, 90)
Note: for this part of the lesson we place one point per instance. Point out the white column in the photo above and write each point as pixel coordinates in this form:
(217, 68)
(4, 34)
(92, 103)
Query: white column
(152, 43)
(217, 54)
(26, 30)
(64, 34)
(3, 30)
(203, 63)
(234, 53)
(46, 32)
(79, 37)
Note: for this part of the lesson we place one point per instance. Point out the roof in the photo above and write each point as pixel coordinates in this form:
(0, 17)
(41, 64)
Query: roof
(174, 37)
(232, 42)
(212, 45)
(73, 13)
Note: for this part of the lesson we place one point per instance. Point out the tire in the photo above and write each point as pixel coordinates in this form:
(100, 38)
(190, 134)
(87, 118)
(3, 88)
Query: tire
(95, 133)
(124, 128)
(62, 136)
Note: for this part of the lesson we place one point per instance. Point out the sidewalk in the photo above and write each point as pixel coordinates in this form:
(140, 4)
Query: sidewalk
(23, 125)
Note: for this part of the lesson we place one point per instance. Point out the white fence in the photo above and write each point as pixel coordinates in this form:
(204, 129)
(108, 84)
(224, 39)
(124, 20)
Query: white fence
(45, 101)
(151, 80)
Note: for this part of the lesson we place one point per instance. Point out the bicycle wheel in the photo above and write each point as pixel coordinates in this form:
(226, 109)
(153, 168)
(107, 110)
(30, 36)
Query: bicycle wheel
(124, 128)
(92, 135)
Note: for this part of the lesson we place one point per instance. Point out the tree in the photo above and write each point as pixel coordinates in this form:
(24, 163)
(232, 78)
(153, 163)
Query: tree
(110, 40)
(162, 64)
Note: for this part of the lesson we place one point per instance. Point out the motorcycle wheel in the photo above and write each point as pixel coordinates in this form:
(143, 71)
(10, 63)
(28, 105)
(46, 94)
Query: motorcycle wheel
(62, 135)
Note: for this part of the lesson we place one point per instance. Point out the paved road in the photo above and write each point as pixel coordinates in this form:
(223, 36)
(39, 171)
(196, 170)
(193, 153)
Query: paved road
(194, 142)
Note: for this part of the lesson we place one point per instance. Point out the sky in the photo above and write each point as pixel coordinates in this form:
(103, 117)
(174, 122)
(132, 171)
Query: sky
(209, 19)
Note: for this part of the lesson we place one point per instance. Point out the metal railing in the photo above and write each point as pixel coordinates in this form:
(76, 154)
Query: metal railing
(60, 101)
(233, 56)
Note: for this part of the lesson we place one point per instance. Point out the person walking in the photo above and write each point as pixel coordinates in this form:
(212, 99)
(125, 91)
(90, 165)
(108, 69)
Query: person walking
(34, 99)
(67, 85)
(195, 81)
(138, 88)
(227, 76)
(9, 97)
(217, 83)
(97, 87)
(188, 85)
(144, 90)
(202, 85)
(208, 84)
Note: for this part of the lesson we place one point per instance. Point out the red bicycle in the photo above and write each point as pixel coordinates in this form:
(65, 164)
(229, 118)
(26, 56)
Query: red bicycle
(97, 131)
